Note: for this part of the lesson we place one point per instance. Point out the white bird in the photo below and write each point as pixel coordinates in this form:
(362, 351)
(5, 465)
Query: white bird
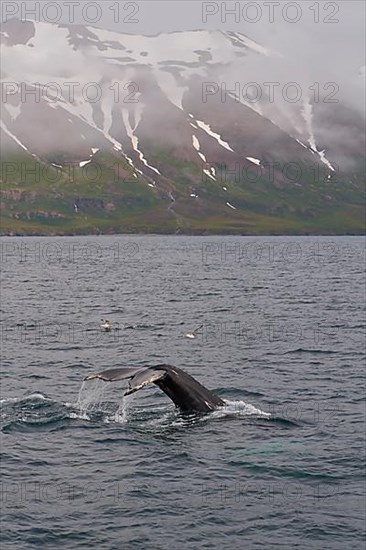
(194, 333)
(105, 325)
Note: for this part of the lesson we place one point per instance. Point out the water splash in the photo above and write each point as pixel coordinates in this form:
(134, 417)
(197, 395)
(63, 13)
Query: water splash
(91, 400)
(36, 408)
(240, 408)
(121, 415)
(90, 395)
(173, 417)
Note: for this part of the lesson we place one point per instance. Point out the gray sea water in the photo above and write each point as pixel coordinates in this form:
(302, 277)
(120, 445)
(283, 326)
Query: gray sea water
(282, 342)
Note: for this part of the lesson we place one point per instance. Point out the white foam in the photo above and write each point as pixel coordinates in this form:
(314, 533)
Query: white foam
(241, 408)
(79, 416)
(26, 398)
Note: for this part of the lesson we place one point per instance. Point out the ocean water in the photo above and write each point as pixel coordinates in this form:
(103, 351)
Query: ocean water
(283, 343)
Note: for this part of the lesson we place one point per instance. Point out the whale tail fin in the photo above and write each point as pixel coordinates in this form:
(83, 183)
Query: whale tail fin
(143, 378)
(112, 375)
(139, 376)
(185, 392)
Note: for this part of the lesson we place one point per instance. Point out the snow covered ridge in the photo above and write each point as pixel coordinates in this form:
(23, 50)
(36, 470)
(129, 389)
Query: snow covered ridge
(85, 67)
(103, 87)
(71, 43)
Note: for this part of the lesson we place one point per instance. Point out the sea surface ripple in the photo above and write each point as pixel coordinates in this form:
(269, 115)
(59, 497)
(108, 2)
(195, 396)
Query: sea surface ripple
(280, 466)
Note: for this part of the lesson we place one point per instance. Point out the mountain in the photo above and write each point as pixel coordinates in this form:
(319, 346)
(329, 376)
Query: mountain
(104, 132)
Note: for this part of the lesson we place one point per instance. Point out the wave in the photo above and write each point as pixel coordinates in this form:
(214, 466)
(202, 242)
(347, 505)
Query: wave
(31, 397)
(36, 410)
(140, 326)
(305, 350)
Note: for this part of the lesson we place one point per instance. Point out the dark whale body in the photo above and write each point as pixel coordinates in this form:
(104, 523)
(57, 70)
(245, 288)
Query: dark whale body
(184, 390)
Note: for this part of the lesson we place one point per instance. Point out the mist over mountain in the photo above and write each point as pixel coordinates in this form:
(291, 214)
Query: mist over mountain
(195, 131)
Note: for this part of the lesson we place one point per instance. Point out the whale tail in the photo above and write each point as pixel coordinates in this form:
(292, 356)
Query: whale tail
(143, 378)
(185, 392)
(139, 376)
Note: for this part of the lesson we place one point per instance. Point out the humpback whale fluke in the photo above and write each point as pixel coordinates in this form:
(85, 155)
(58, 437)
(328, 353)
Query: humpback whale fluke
(184, 390)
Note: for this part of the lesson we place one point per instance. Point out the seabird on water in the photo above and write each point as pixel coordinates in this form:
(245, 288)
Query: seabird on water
(105, 325)
(194, 333)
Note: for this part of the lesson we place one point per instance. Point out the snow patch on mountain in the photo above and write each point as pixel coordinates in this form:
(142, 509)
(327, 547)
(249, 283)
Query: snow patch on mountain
(75, 110)
(254, 160)
(209, 174)
(301, 143)
(12, 136)
(239, 38)
(170, 88)
(206, 128)
(196, 144)
(134, 139)
(176, 48)
(307, 112)
(36, 64)
(324, 159)
(254, 105)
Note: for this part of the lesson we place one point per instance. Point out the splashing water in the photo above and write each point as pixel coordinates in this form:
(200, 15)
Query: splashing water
(91, 399)
(90, 395)
(240, 408)
(121, 414)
